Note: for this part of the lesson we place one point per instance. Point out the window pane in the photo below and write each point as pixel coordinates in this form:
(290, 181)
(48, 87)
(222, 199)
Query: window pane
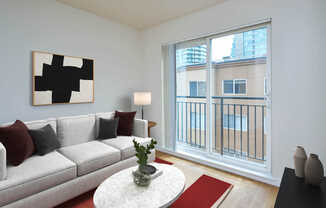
(228, 86)
(246, 45)
(193, 88)
(191, 103)
(240, 86)
(202, 88)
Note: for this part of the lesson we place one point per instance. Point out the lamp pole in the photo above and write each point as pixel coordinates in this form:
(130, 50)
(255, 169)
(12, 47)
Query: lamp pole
(142, 112)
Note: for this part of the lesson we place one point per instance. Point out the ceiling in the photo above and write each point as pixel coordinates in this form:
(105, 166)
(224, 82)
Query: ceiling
(141, 14)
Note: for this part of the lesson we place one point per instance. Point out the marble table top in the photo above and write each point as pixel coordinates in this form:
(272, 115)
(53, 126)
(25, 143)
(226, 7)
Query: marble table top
(119, 190)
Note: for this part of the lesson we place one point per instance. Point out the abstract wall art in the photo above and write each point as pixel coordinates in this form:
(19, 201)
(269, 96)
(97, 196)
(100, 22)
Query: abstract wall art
(62, 79)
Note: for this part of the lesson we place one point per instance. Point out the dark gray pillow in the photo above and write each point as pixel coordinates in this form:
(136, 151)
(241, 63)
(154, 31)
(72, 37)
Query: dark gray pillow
(108, 128)
(45, 140)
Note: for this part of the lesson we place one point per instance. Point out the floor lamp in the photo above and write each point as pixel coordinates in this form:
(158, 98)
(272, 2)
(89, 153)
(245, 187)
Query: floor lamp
(141, 99)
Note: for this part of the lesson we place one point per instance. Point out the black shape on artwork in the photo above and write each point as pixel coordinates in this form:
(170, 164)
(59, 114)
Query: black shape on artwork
(62, 80)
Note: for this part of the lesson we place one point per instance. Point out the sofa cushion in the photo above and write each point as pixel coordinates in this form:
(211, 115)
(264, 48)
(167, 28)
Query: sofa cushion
(105, 115)
(125, 144)
(91, 156)
(36, 174)
(126, 122)
(108, 128)
(17, 141)
(45, 140)
(76, 129)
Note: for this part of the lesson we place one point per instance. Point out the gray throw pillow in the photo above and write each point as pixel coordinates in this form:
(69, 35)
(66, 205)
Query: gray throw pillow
(45, 140)
(108, 128)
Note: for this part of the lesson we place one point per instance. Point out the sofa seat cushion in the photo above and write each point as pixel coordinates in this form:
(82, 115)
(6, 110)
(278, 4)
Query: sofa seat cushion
(125, 144)
(36, 174)
(91, 156)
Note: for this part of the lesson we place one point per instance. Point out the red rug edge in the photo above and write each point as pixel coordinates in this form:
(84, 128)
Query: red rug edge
(223, 197)
(158, 160)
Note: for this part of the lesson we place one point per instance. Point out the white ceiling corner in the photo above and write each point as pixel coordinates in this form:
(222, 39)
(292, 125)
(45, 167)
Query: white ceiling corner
(141, 14)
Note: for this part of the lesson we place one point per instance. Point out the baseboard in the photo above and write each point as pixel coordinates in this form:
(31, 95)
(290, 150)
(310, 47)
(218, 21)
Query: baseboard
(257, 176)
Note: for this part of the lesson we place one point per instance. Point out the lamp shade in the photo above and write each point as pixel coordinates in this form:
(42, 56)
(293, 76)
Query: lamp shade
(142, 98)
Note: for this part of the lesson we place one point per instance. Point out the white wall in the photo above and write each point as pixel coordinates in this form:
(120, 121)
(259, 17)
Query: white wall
(298, 67)
(126, 61)
(46, 25)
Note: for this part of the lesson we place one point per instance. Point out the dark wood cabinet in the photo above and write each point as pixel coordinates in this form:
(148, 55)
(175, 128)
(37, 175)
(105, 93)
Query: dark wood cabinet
(294, 192)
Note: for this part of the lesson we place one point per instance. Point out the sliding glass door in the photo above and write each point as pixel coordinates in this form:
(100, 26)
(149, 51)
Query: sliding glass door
(238, 69)
(191, 91)
(222, 94)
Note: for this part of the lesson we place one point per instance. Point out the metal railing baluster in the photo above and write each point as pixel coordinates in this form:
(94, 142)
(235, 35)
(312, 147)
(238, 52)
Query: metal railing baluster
(177, 111)
(234, 127)
(222, 130)
(255, 131)
(182, 121)
(200, 125)
(262, 132)
(186, 123)
(190, 123)
(248, 131)
(195, 104)
(240, 129)
(205, 122)
(228, 127)
(215, 124)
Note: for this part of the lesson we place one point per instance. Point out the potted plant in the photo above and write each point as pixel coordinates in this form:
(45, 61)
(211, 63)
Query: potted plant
(142, 174)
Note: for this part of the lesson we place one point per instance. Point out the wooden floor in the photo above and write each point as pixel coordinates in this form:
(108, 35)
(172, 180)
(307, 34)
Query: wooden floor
(246, 193)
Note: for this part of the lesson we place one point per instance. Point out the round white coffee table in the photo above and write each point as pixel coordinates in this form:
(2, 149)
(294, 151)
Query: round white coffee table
(119, 190)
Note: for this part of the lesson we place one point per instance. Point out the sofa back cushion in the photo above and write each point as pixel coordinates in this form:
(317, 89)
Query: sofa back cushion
(37, 124)
(42, 123)
(76, 129)
(106, 115)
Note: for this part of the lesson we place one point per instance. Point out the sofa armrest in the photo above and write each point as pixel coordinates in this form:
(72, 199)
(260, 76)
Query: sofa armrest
(3, 162)
(140, 128)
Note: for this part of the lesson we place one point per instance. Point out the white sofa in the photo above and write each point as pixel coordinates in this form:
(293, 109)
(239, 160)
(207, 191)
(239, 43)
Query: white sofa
(80, 165)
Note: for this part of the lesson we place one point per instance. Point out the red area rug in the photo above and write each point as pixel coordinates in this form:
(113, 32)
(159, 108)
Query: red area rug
(204, 193)
(158, 160)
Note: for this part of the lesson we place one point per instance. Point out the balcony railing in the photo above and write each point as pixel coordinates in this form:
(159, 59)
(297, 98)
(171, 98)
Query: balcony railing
(238, 125)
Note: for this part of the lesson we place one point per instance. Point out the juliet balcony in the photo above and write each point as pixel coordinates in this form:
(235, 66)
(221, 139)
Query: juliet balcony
(238, 125)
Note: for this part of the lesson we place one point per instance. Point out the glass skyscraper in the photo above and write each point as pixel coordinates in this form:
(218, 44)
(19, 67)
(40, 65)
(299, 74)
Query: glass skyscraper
(191, 56)
(250, 44)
